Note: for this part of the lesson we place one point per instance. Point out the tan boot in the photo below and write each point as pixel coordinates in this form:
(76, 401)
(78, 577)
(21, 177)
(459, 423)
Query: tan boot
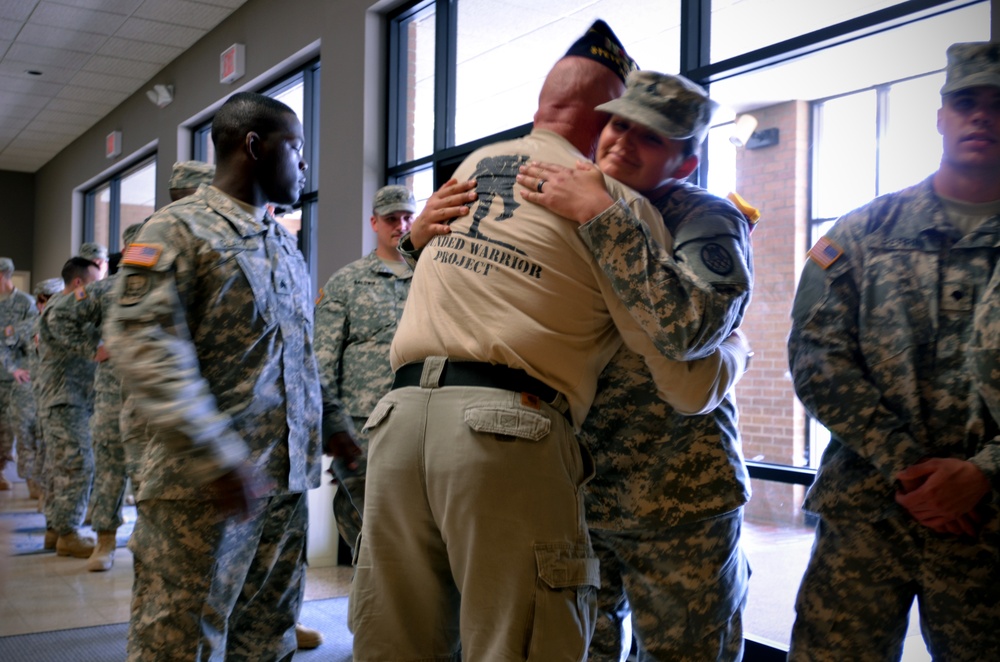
(75, 544)
(33, 490)
(50, 539)
(307, 638)
(104, 554)
(4, 483)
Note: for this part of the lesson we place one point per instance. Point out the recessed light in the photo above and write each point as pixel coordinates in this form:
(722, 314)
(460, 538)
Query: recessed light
(33, 72)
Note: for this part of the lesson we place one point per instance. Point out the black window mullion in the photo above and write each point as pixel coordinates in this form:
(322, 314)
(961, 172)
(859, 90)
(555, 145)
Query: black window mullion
(445, 72)
(114, 213)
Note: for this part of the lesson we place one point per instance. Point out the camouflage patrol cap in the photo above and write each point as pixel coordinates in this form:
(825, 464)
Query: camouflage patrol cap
(672, 106)
(49, 287)
(129, 233)
(393, 198)
(6, 265)
(93, 251)
(600, 44)
(191, 174)
(972, 64)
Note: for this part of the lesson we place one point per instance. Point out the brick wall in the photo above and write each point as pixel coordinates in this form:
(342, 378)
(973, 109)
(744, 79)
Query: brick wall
(775, 179)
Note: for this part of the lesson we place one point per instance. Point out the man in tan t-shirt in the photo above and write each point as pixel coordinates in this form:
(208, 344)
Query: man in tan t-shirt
(474, 540)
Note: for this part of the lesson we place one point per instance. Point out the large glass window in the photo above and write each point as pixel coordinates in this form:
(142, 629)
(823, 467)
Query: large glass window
(844, 97)
(498, 58)
(122, 200)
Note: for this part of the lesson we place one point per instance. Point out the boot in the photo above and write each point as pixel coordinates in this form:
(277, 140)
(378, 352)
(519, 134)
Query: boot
(4, 483)
(50, 539)
(75, 544)
(104, 554)
(33, 491)
(307, 638)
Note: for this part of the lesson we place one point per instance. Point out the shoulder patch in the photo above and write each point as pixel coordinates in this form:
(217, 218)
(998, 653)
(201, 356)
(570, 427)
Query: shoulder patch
(142, 255)
(717, 259)
(8, 330)
(319, 298)
(80, 293)
(825, 253)
(136, 287)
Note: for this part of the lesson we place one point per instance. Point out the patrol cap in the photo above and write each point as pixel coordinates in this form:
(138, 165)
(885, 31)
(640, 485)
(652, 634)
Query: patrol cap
(128, 234)
(93, 251)
(671, 105)
(972, 64)
(49, 287)
(600, 44)
(6, 265)
(393, 198)
(191, 174)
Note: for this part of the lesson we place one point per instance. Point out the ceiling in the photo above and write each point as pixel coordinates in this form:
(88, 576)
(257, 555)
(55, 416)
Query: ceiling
(86, 57)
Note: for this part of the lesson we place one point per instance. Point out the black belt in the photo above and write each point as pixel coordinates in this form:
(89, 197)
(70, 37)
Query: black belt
(472, 373)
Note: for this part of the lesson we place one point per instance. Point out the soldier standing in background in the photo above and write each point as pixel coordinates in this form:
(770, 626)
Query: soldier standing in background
(67, 344)
(96, 253)
(15, 306)
(881, 353)
(22, 363)
(356, 316)
(212, 332)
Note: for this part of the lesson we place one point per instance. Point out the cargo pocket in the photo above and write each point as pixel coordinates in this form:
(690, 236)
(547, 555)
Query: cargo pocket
(565, 610)
(508, 423)
(378, 415)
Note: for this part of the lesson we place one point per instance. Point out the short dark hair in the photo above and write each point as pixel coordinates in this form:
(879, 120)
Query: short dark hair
(691, 146)
(242, 113)
(77, 267)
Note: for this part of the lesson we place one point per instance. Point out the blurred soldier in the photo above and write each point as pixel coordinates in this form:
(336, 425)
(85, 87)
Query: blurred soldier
(882, 327)
(22, 363)
(356, 316)
(212, 332)
(474, 518)
(666, 505)
(96, 253)
(109, 449)
(15, 306)
(67, 344)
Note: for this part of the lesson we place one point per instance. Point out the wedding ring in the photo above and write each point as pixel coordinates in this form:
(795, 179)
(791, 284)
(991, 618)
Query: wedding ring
(538, 186)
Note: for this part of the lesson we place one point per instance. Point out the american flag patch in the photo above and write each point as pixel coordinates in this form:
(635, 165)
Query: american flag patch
(142, 255)
(825, 252)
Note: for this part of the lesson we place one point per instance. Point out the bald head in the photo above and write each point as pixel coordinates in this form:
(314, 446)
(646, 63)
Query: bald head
(571, 91)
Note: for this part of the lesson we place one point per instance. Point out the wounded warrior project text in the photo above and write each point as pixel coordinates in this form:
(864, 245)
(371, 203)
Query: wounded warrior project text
(486, 255)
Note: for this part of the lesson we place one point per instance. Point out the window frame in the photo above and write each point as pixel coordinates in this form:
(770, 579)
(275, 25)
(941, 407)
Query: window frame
(113, 182)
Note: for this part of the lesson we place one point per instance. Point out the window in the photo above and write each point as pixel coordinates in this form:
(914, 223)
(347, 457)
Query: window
(123, 200)
(300, 92)
(852, 117)
(498, 58)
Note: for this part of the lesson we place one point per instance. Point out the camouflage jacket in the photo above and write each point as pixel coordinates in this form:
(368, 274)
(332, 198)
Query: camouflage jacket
(356, 316)
(212, 331)
(879, 348)
(67, 342)
(696, 293)
(105, 377)
(657, 468)
(22, 353)
(16, 307)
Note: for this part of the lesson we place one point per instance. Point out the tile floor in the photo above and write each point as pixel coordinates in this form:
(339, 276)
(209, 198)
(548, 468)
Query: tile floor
(44, 592)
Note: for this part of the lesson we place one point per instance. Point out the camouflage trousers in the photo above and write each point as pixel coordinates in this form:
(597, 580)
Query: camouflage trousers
(684, 586)
(349, 499)
(132, 428)
(6, 425)
(23, 417)
(109, 462)
(69, 468)
(857, 591)
(213, 589)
